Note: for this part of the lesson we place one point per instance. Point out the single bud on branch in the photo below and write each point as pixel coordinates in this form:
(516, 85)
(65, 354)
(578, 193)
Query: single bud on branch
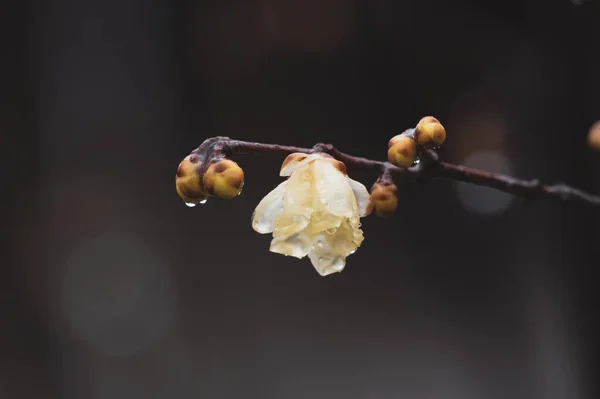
(224, 178)
(430, 133)
(402, 151)
(188, 181)
(384, 198)
(594, 136)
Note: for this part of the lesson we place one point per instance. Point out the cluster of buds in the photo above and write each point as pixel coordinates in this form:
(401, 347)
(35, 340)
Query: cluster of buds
(403, 152)
(197, 179)
(403, 149)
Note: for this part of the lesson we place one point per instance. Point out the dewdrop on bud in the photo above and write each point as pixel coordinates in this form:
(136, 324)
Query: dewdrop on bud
(402, 151)
(383, 199)
(429, 132)
(188, 181)
(224, 179)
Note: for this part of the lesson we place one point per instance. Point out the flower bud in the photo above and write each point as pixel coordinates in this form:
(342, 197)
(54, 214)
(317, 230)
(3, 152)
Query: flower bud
(224, 178)
(188, 180)
(430, 132)
(384, 200)
(402, 151)
(594, 136)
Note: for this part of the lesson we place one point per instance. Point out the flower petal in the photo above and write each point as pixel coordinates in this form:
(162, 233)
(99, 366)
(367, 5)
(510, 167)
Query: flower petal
(323, 257)
(268, 209)
(296, 245)
(329, 250)
(346, 239)
(362, 197)
(295, 161)
(297, 204)
(333, 190)
(327, 265)
(321, 220)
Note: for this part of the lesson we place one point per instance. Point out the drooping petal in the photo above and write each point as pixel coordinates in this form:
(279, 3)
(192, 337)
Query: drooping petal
(268, 210)
(296, 245)
(325, 265)
(346, 239)
(333, 190)
(323, 257)
(329, 250)
(362, 197)
(297, 204)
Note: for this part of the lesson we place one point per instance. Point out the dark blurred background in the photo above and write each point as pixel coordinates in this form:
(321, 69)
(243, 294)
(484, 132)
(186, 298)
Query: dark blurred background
(112, 288)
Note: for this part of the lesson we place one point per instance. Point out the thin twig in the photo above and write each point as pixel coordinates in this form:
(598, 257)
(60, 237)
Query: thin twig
(429, 167)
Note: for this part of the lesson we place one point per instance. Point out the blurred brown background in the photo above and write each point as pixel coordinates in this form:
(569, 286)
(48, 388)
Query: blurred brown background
(112, 288)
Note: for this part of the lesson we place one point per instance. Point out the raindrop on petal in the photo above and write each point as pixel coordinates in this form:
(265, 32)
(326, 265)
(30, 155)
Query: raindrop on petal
(190, 204)
(320, 244)
(203, 201)
(331, 231)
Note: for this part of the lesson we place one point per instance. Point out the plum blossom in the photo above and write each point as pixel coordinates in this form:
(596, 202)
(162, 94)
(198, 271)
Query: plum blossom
(315, 212)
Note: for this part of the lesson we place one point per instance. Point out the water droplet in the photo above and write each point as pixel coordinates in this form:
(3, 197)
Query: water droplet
(320, 244)
(331, 231)
(353, 251)
(417, 161)
(190, 204)
(203, 201)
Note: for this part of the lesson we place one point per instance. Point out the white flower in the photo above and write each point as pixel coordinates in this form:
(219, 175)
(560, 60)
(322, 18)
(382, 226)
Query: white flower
(315, 212)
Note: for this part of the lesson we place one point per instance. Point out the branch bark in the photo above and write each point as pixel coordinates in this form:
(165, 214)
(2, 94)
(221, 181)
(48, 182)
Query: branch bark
(429, 167)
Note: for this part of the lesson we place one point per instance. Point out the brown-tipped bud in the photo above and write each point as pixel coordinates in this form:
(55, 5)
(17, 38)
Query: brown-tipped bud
(594, 136)
(188, 181)
(430, 132)
(383, 199)
(395, 139)
(402, 151)
(224, 178)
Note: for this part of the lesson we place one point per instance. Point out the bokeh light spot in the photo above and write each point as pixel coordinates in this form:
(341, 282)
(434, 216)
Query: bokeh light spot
(118, 295)
(484, 200)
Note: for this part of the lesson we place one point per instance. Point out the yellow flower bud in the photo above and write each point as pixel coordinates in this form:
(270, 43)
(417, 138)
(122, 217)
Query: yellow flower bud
(384, 200)
(430, 132)
(224, 178)
(402, 151)
(594, 136)
(188, 180)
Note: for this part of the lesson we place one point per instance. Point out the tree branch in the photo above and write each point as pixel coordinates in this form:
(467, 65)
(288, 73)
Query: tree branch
(429, 167)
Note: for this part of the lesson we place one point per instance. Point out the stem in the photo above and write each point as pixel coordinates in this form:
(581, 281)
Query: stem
(429, 167)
